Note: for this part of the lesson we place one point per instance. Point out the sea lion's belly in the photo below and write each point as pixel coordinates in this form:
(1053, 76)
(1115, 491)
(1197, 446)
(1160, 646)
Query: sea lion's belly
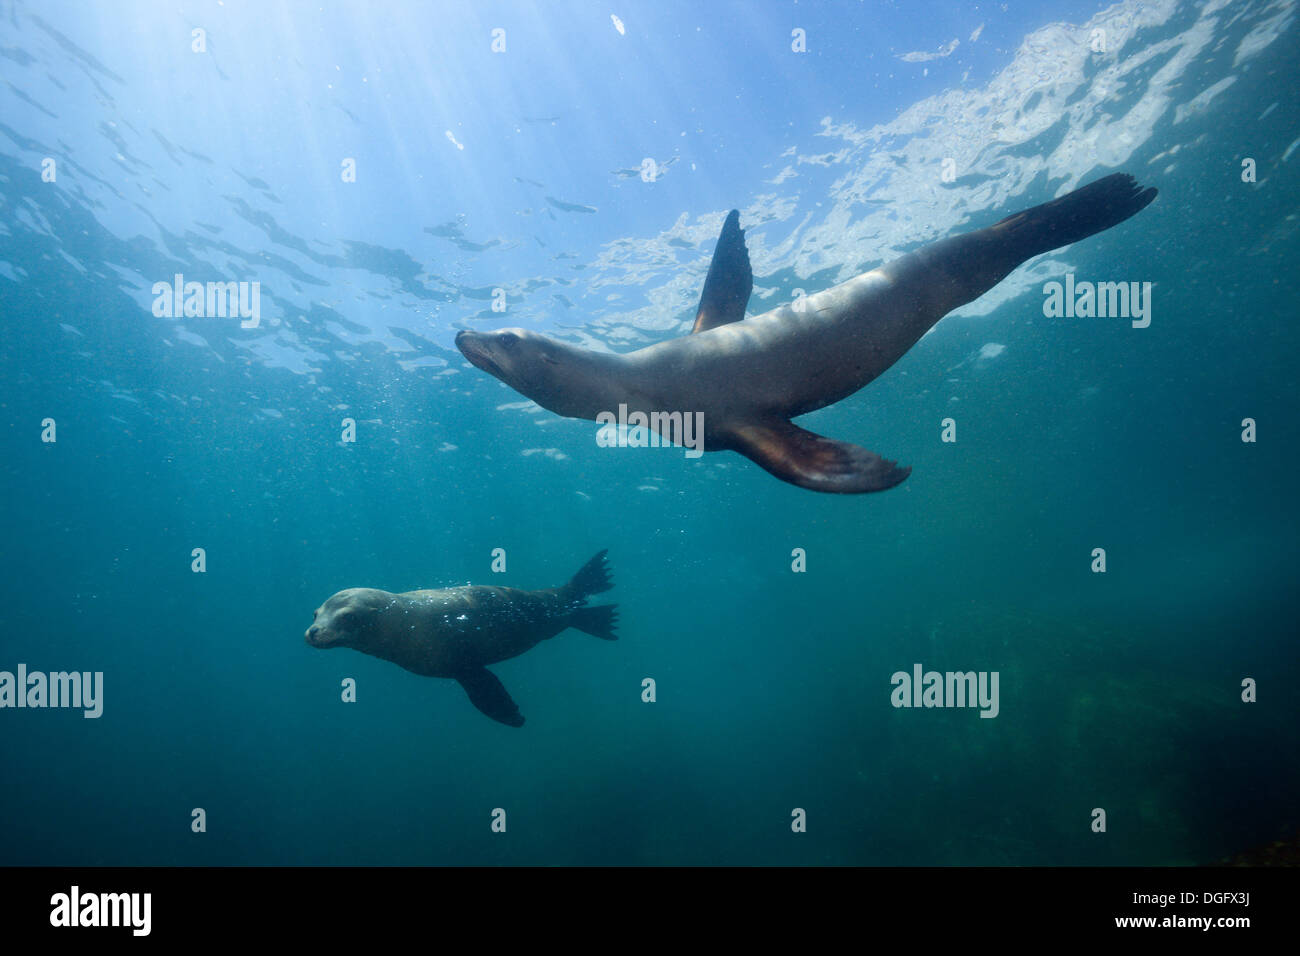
(789, 361)
(440, 633)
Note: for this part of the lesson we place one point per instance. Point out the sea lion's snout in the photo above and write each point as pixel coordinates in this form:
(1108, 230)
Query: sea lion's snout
(343, 620)
(512, 355)
(318, 636)
(324, 630)
(533, 365)
(477, 348)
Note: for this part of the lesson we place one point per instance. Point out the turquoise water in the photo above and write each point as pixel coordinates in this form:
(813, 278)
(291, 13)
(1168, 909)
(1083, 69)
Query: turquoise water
(1119, 691)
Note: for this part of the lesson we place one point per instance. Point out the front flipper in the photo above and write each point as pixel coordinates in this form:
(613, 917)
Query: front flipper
(730, 280)
(802, 458)
(489, 695)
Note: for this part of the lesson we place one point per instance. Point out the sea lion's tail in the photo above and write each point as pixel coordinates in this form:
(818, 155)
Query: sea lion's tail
(951, 272)
(592, 578)
(598, 621)
(1076, 215)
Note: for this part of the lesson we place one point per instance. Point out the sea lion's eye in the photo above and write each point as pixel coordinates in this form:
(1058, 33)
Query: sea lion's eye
(509, 339)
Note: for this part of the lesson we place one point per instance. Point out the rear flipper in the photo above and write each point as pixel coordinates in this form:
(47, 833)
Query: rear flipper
(597, 621)
(811, 461)
(592, 578)
(954, 271)
(1077, 215)
(489, 695)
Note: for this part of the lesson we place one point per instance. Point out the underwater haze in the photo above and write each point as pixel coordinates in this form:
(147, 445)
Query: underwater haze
(390, 174)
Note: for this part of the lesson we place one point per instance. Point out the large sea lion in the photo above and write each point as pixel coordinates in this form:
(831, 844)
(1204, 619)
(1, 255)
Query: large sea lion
(749, 378)
(457, 632)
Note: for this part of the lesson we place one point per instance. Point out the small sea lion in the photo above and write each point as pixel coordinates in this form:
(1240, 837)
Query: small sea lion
(749, 378)
(457, 632)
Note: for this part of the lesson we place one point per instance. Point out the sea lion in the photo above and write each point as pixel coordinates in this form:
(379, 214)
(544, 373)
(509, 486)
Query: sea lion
(749, 378)
(457, 632)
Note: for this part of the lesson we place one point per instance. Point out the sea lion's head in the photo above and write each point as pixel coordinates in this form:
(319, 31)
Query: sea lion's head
(345, 618)
(547, 371)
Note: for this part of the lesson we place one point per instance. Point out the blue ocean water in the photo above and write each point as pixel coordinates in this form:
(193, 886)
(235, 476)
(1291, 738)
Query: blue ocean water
(381, 171)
